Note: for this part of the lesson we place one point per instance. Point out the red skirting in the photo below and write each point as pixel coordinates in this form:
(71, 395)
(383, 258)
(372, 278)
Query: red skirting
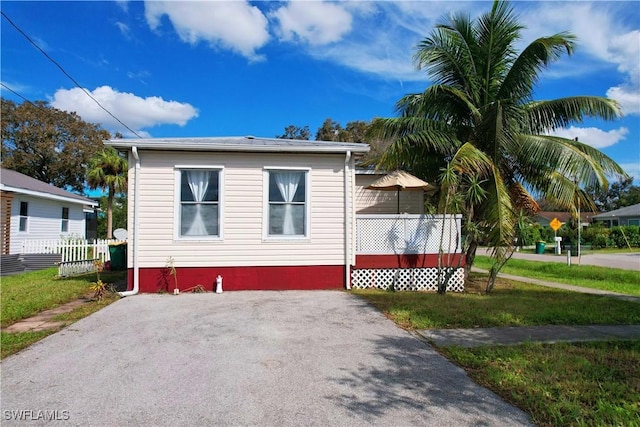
(309, 277)
(407, 261)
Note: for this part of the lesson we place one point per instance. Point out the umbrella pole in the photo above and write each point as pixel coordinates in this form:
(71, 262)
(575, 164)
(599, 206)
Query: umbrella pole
(398, 200)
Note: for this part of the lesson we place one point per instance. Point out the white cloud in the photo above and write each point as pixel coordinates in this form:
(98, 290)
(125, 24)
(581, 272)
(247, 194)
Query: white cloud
(234, 25)
(602, 35)
(136, 112)
(628, 98)
(594, 137)
(124, 29)
(316, 23)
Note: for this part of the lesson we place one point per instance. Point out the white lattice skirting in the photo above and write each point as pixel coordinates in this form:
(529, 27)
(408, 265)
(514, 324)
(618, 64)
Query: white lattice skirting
(405, 279)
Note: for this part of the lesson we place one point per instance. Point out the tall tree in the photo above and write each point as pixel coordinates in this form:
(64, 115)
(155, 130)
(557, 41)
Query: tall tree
(329, 131)
(295, 132)
(479, 121)
(48, 144)
(617, 195)
(108, 171)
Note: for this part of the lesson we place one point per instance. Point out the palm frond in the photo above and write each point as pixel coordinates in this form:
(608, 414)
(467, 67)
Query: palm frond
(544, 116)
(524, 73)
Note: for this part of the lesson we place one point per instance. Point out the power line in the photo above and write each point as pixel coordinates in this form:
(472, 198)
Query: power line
(66, 74)
(17, 94)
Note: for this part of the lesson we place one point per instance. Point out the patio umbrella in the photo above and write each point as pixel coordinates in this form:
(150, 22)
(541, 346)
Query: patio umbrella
(400, 181)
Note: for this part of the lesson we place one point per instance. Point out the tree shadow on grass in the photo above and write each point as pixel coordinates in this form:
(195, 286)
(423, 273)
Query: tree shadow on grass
(412, 379)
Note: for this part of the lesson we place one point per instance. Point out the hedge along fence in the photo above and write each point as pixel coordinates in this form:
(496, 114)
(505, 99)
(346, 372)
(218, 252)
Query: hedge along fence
(615, 237)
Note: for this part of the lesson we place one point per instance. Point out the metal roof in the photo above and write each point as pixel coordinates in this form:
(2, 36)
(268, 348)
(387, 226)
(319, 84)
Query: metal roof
(20, 183)
(243, 143)
(633, 210)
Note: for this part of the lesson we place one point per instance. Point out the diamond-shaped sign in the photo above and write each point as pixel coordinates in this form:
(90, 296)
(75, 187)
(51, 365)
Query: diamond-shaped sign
(555, 224)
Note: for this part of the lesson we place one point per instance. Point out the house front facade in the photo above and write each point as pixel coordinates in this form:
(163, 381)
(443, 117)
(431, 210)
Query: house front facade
(260, 213)
(32, 209)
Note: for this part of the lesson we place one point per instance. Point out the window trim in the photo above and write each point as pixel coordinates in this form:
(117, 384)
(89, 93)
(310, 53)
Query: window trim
(266, 237)
(177, 203)
(64, 220)
(25, 217)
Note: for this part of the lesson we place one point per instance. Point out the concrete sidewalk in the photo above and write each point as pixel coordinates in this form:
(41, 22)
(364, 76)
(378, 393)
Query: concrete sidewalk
(528, 334)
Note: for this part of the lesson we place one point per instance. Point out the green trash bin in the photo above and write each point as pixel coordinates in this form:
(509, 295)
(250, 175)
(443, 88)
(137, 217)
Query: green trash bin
(540, 247)
(118, 254)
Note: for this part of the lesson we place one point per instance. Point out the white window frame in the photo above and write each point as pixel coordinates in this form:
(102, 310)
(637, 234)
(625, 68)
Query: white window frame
(23, 217)
(64, 221)
(177, 202)
(265, 204)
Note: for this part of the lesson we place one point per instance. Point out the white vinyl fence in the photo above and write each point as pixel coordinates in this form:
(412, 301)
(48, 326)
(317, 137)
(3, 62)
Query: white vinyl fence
(77, 255)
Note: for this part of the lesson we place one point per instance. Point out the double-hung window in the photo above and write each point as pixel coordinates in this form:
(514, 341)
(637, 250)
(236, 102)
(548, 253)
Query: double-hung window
(287, 203)
(199, 214)
(64, 227)
(24, 216)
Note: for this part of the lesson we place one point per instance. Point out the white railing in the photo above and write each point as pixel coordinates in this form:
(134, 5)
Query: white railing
(70, 249)
(407, 234)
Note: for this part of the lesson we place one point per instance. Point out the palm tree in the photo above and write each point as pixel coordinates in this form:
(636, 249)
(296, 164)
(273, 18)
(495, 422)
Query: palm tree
(108, 171)
(479, 122)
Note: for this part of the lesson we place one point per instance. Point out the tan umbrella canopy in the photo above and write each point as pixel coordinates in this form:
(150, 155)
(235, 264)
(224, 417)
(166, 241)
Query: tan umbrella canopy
(400, 181)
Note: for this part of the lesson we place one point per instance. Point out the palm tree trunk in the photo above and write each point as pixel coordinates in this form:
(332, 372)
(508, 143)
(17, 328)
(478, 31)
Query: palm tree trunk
(470, 257)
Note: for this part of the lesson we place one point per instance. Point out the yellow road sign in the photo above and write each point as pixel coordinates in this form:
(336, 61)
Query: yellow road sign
(555, 224)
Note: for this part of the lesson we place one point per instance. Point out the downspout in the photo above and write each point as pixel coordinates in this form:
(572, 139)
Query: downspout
(347, 223)
(136, 223)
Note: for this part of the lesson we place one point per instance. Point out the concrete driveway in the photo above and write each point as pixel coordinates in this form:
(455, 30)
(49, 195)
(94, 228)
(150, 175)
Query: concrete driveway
(242, 358)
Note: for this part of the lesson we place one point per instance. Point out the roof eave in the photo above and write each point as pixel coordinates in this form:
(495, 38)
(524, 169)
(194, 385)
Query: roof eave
(47, 195)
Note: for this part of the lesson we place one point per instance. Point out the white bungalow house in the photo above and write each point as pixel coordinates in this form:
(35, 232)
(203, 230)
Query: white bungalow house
(268, 214)
(32, 209)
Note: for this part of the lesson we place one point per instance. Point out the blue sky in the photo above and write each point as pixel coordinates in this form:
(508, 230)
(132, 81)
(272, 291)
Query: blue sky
(234, 68)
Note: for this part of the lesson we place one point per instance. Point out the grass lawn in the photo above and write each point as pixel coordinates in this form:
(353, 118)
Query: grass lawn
(588, 276)
(510, 304)
(578, 384)
(27, 294)
(557, 384)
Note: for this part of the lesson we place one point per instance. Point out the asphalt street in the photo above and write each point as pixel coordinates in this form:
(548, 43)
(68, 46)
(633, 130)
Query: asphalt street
(242, 358)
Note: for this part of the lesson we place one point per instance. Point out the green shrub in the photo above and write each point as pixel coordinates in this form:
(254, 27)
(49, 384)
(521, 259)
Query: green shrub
(597, 236)
(623, 237)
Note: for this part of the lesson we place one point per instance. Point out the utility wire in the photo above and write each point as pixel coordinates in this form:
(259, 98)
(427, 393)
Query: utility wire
(66, 74)
(17, 94)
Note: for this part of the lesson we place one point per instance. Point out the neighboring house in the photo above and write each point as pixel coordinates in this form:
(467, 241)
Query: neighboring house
(32, 209)
(269, 214)
(545, 217)
(629, 215)
(384, 202)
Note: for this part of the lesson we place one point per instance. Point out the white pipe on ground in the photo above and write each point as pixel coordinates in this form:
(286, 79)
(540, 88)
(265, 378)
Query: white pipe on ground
(136, 223)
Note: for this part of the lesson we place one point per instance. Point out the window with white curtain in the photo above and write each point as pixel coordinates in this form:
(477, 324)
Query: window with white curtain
(199, 203)
(287, 203)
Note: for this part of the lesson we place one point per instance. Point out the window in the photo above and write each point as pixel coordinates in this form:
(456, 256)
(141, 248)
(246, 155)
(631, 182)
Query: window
(633, 222)
(287, 214)
(65, 220)
(199, 203)
(24, 216)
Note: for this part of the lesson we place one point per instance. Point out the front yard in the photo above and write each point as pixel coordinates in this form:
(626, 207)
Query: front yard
(27, 294)
(557, 384)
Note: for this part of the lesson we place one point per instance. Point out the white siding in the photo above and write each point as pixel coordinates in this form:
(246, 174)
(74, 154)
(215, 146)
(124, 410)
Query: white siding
(385, 202)
(45, 220)
(242, 242)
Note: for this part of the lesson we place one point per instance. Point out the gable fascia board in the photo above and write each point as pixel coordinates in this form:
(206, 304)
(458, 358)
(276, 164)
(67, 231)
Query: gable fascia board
(48, 196)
